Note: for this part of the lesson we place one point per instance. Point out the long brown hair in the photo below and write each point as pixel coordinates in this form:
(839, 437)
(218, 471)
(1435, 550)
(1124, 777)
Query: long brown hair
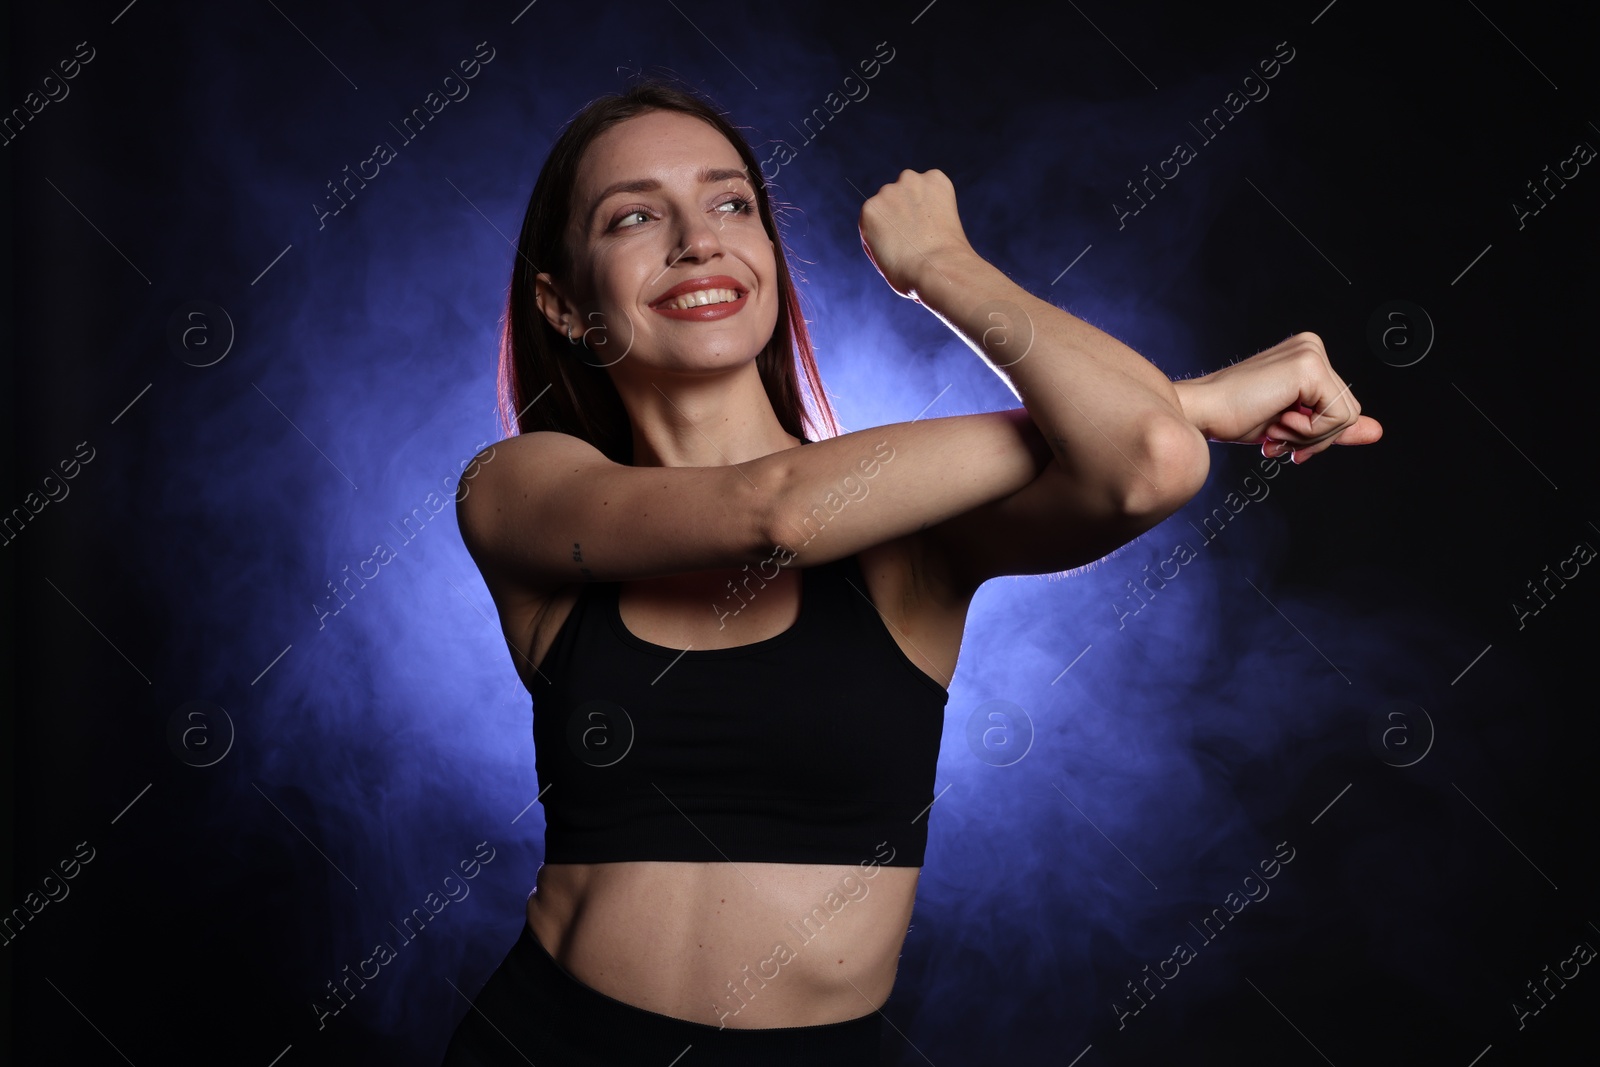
(542, 385)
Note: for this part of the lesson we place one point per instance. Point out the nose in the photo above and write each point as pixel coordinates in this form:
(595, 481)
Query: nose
(698, 239)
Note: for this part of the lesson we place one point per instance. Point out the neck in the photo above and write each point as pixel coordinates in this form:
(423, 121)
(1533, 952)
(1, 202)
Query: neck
(702, 420)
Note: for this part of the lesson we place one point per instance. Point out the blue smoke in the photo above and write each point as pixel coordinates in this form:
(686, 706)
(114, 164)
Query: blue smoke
(290, 514)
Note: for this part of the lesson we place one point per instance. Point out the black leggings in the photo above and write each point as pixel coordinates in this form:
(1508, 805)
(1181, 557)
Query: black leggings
(532, 1011)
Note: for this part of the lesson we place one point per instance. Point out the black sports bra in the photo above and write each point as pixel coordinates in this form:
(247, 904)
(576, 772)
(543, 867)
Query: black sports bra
(817, 745)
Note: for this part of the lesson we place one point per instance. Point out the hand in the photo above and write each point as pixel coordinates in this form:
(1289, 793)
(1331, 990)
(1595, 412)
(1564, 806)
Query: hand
(909, 226)
(1286, 399)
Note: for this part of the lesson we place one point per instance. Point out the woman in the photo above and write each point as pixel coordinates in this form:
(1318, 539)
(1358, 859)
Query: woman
(737, 798)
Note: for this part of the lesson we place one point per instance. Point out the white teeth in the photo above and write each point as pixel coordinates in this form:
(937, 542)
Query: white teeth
(703, 297)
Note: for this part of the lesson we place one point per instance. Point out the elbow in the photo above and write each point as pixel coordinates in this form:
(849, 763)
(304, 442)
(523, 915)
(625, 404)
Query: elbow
(764, 503)
(1175, 461)
(786, 514)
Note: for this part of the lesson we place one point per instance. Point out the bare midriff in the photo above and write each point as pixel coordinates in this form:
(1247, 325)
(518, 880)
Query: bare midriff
(741, 944)
(737, 945)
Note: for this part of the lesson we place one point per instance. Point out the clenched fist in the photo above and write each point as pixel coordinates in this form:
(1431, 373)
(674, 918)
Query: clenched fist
(1286, 399)
(910, 226)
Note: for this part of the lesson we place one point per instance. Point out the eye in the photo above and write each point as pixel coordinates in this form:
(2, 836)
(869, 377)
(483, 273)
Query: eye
(623, 220)
(738, 205)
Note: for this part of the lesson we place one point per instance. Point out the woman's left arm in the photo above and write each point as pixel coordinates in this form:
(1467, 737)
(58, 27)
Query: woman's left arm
(1114, 423)
(1127, 446)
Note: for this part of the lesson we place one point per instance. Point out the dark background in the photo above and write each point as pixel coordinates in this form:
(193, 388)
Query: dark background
(1341, 668)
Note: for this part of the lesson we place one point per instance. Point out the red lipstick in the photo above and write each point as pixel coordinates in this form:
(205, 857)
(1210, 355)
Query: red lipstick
(705, 312)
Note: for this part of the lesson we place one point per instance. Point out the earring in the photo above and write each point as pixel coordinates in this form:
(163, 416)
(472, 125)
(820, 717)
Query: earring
(570, 339)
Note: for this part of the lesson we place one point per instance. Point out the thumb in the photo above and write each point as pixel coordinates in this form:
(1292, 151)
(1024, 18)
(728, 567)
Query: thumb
(1365, 431)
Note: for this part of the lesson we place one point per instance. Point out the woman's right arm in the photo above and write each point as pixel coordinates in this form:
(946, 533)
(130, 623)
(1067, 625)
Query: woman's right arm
(545, 509)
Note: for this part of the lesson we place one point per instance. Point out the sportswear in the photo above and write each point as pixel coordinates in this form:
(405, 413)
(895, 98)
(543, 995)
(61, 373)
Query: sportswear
(817, 745)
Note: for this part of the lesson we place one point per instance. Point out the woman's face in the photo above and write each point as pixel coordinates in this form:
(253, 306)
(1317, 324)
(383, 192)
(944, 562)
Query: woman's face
(668, 251)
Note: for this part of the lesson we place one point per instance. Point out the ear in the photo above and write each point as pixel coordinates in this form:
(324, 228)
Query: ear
(556, 306)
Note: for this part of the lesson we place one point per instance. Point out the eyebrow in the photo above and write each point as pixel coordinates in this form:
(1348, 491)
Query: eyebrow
(707, 176)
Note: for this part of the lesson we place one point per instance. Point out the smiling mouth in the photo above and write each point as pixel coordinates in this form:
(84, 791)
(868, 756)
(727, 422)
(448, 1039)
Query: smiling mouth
(700, 298)
(709, 298)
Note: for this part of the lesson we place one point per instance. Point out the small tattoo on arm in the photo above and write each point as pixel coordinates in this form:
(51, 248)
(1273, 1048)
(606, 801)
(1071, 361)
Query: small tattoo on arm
(577, 557)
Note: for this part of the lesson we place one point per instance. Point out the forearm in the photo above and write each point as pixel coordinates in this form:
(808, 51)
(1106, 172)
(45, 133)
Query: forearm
(1112, 419)
(837, 497)
(1203, 407)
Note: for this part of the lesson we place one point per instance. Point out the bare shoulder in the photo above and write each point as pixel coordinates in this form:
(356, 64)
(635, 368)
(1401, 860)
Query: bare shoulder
(530, 606)
(546, 509)
(505, 464)
(497, 471)
(497, 480)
